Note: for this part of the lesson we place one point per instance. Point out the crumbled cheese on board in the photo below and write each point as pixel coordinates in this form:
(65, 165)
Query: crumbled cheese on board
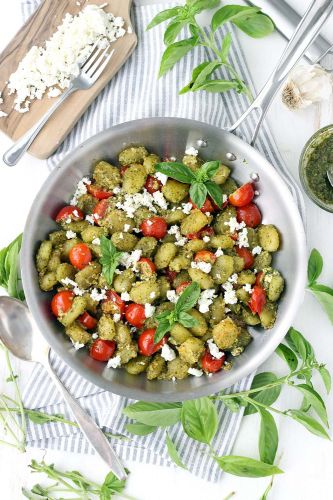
(167, 353)
(3, 114)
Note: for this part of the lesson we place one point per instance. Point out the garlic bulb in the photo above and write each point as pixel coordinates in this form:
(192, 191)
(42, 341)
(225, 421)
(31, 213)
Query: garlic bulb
(307, 84)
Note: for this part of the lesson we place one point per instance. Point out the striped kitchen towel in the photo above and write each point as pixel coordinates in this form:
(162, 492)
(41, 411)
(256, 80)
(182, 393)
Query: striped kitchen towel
(134, 93)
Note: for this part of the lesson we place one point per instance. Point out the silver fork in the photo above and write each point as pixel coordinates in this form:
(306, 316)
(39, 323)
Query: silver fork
(90, 71)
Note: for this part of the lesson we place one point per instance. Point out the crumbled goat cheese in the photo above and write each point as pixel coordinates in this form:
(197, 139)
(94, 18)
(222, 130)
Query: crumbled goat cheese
(233, 278)
(96, 241)
(214, 350)
(130, 259)
(126, 228)
(229, 294)
(191, 151)
(116, 190)
(98, 296)
(205, 267)
(152, 295)
(121, 236)
(227, 310)
(160, 200)
(224, 198)
(206, 239)
(77, 345)
(130, 30)
(234, 225)
(116, 317)
(91, 218)
(70, 234)
(167, 353)
(195, 372)
(187, 207)
(219, 252)
(180, 240)
(206, 300)
(149, 310)
(161, 177)
(53, 92)
(58, 61)
(94, 336)
(3, 114)
(248, 288)
(242, 238)
(132, 202)
(172, 296)
(125, 296)
(256, 250)
(76, 289)
(114, 362)
(80, 190)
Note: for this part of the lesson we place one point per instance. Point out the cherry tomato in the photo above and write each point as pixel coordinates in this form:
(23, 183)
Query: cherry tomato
(146, 344)
(146, 266)
(242, 196)
(246, 255)
(100, 210)
(62, 302)
(250, 214)
(123, 169)
(113, 303)
(171, 275)
(259, 278)
(205, 231)
(98, 192)
(102, 350)
(88, 321)
(257, 300)
(234, 236)
(80, 255)
(152, 184)
(180, 288)
(70, 211)
(206, 207)
(205, 256)
(154, 226)
(210, 364)
(135, 315)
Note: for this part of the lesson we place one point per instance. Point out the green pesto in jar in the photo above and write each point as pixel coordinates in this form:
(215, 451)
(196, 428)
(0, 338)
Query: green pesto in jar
(318, 162)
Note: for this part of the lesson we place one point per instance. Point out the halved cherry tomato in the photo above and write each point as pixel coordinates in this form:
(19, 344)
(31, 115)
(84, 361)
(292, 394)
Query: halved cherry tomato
(210, 364)
(206, 207)
(70, 211)
(246, 255)
(100, 210)
(259, 278)
(234, 236)
(123, 169)
(62, 302)
(242, 196)
(205, 256)
(205, 231)
(152, 184)
(98, 192)
(80, 255)
(171, 275)
(146, 266)
(88, 321)
(135, 315)
(113, 303)
(146, 342)
(154, 226)
(180, 288)
(250, 214)
(102, 350)
(257, 300)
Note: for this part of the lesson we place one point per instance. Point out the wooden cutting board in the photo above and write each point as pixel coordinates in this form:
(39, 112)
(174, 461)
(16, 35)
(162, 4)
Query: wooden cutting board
(41, 25)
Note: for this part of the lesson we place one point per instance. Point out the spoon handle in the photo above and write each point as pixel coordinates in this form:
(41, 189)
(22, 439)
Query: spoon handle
(89, 428)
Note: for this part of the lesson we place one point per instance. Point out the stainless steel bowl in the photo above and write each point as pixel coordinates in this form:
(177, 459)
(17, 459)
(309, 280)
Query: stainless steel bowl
(168, 137)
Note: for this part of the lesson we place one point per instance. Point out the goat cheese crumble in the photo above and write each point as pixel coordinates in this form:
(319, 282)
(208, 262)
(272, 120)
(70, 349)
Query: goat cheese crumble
(248, 288)
(214, 350)
(70, 235)
(114, 362)
(195, 372)
(229, 293)
(234, 225)
(149, 310)
(77, 345)
(172, 296)
(96, 241)
(180, 240)
(242, 238)
(191, 151)
(98, 296)
(161, 177)
(132, 202)
(125, 296)
(77, 291)
(167, 353)
(205, 267)
(219, 252)
(256, 250)
(130, 259)
(80, 190)
(206, 300)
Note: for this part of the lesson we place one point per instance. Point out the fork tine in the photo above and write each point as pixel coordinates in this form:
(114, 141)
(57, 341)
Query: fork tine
(93, 67)
(100, 70)
(92, 57)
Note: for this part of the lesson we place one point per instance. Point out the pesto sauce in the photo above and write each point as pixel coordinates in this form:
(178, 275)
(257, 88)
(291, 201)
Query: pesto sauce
(319, 161)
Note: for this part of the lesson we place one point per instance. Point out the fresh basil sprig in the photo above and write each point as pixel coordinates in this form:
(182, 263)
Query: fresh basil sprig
(179, 314)
(10, 269)
(110, 258)
(200, 181)
(323, 293)
(182, 20)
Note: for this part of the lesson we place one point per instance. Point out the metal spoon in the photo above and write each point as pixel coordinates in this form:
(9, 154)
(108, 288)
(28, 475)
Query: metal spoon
(20, 335)
(329, 174)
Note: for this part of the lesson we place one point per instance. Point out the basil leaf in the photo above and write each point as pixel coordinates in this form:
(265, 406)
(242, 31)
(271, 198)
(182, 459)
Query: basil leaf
(314, 399)
(110, 259)
(195, 73)
(111, 485)
(163, 327)
(309, 423)
(140, 429)
(200, 5)
(315, 266)
(205, 73)
(326, 377)
(188, 298)
(232, 404)
(207, 171)
(215, 192)
(288, 356)
(268, 436)
(154, 414)
(266, 396)
(246, 467)
(175, 52)
(199, 419)
(173, 31)
(256, 26)
(226, 43)
(173, 452)
(198, 193)
(324, 295)
(164, 16)
(231, 13)
(299, 344)
(187, 320)
(10, 268)
(177, 171)
(219, 85)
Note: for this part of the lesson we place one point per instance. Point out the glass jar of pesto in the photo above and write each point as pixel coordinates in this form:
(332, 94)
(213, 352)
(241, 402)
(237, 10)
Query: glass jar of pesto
(316, 159)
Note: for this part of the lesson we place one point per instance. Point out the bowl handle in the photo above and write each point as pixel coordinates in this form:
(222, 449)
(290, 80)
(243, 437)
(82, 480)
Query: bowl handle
(305, 33)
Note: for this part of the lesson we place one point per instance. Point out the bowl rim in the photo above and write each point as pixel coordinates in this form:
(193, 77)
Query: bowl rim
(213, 384)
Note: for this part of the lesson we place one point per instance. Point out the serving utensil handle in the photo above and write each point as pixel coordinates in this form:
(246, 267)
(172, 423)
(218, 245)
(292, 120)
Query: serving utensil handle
(89, 427)
(306, 32)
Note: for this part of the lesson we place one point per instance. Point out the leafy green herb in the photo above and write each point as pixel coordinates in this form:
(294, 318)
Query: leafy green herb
(110, 259)
(268, 437)
(268, 396)
(288, 355)
(199, 419)
(178, 314)
(10, 269)
(140, 429)
(323, 293)
(246, 467)
(200, 181)
(173, 452)
(182, 20)
(154, 414)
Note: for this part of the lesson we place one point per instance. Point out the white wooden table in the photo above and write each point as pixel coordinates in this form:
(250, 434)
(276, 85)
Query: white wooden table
(306, 460)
